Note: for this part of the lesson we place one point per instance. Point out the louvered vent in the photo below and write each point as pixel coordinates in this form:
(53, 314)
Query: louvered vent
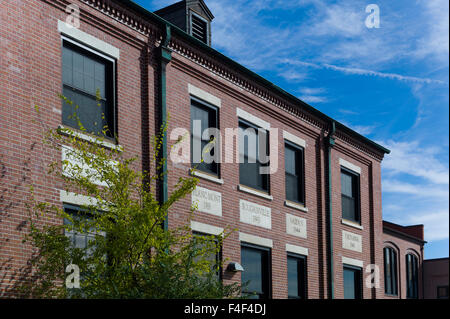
(199, 29)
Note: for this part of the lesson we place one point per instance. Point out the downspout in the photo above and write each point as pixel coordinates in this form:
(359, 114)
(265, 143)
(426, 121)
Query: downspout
(329, 143)
(165, 58)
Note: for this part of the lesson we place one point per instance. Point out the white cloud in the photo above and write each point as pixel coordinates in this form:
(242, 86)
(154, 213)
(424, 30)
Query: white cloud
(436, 224)
(435, 43)
(416, 160)
(419, 190)
(361, 129)
(313, 99)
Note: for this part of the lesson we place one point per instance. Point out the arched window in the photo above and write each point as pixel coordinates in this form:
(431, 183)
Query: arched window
(390, 271)
(412, 276)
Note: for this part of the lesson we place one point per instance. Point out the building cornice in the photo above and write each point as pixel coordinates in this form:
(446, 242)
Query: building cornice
(210, 59)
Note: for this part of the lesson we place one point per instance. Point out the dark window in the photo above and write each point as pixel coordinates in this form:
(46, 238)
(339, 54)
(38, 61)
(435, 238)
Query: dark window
(390, 271)
(77, 239)
(294, 173)
(249, 160)
(206, 117)
(352, 282)
(83, 73)
(412, 278)
(442, 292)
(199, 28)
(296, 266)
(214, 258)
(256, 275)
(350, 195)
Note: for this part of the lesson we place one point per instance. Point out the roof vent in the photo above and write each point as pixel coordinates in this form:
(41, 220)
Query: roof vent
(192, 16)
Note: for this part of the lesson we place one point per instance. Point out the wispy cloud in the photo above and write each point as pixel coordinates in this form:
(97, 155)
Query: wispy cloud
(417, 160)
(364, 72)
(313, 95)
(420, 190)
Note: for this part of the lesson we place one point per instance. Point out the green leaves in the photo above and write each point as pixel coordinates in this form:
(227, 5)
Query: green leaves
(130, 255)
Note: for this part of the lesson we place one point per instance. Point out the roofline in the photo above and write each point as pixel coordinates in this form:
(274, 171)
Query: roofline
(407, 236)
(131, 4)
(436, 259)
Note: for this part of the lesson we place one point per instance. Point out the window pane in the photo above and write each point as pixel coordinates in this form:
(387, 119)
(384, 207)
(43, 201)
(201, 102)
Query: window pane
(346, 185)
(252, 262)
(291, 161)
(256, 271)
(352, 283)
(348, 208)
(292, 188)
(82, 76)
(249, 166)
(89, 112)
(293, 272)
(349, 284)
(205, 118)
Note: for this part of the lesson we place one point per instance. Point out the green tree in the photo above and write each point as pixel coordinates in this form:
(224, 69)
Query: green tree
(128, 253)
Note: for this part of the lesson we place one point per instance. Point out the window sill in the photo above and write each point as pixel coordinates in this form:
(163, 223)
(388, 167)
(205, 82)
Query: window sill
(391, 295)
(206, 176)
(295, 205)
(68, 131)
(255, 192)
(351, 224)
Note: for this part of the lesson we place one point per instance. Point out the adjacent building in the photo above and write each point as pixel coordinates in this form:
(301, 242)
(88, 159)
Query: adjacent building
(312, 228)
(435, 278)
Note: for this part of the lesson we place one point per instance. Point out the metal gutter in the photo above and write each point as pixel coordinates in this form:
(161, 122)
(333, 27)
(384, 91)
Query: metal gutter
(165, 57)
(330, 142)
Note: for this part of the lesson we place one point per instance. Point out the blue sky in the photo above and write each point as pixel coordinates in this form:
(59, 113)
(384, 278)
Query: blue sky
(389, 83)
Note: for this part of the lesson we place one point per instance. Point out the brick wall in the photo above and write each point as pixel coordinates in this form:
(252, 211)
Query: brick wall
(30, 64)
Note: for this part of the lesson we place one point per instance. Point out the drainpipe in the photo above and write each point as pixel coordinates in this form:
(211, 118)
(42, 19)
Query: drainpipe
(165, 58)
(329, 143)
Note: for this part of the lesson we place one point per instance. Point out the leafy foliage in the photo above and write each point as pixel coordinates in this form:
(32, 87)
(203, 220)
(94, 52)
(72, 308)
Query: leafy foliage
(129, 254)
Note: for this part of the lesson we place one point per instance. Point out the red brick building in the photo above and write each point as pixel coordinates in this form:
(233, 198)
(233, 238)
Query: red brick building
(435, 278)
(310, 229)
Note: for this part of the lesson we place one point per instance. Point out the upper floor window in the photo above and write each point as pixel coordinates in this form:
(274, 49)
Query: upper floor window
(296, 266)
(203, 117)
(88, 76)
(352, 282)
(412, 276)
(214, 258)
(250, 164)
(390, 271)
(294, 162)
(256, 275)
(350, 195)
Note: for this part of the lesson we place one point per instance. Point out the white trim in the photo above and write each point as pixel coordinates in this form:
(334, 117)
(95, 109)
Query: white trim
(256, 240)
(297, 249)
(88, 39)
(76, 199)
(351, 224)
(203, 95)
(207, 177)
(253, 119)
(288, 203)
(205, 228)
(349, 165)
(294, 139)
(352, 262)
(88, 138)
(252, 191)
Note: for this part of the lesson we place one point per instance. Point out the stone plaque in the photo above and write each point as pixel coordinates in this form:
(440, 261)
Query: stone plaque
(351, 241)
(207, 201)
(255, 214)
(295, 226)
